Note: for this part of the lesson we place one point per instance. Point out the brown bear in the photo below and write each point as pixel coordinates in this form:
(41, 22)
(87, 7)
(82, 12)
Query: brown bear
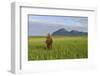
(49, 41)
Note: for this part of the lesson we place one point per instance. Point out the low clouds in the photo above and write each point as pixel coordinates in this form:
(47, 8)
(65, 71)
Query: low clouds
(41, 25)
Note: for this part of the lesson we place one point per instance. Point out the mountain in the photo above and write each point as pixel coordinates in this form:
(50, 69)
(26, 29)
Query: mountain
(64, 32)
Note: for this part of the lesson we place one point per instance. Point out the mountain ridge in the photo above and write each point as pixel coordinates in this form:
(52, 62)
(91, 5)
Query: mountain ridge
(64, 32)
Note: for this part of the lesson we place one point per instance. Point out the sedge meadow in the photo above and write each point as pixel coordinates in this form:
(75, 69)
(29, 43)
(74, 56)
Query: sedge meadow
(64, 47)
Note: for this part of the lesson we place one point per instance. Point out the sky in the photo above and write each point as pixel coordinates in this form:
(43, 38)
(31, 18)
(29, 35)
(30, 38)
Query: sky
(41, 25)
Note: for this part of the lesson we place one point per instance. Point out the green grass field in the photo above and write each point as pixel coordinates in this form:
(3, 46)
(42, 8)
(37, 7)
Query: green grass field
(63, 48)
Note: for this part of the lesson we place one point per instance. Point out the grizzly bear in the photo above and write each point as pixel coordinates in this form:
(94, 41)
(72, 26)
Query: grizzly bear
(49, 41)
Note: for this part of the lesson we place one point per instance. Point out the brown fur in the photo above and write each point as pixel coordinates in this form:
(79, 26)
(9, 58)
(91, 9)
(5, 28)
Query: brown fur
(49, 41)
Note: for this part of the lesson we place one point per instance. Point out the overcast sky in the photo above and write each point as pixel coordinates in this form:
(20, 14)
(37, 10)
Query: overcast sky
(41, 25)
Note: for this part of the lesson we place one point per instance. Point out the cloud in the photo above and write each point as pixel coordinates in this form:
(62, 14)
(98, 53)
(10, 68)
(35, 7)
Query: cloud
(41, 29)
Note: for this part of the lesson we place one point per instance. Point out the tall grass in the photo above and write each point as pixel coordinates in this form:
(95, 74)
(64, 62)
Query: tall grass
(63, 48)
